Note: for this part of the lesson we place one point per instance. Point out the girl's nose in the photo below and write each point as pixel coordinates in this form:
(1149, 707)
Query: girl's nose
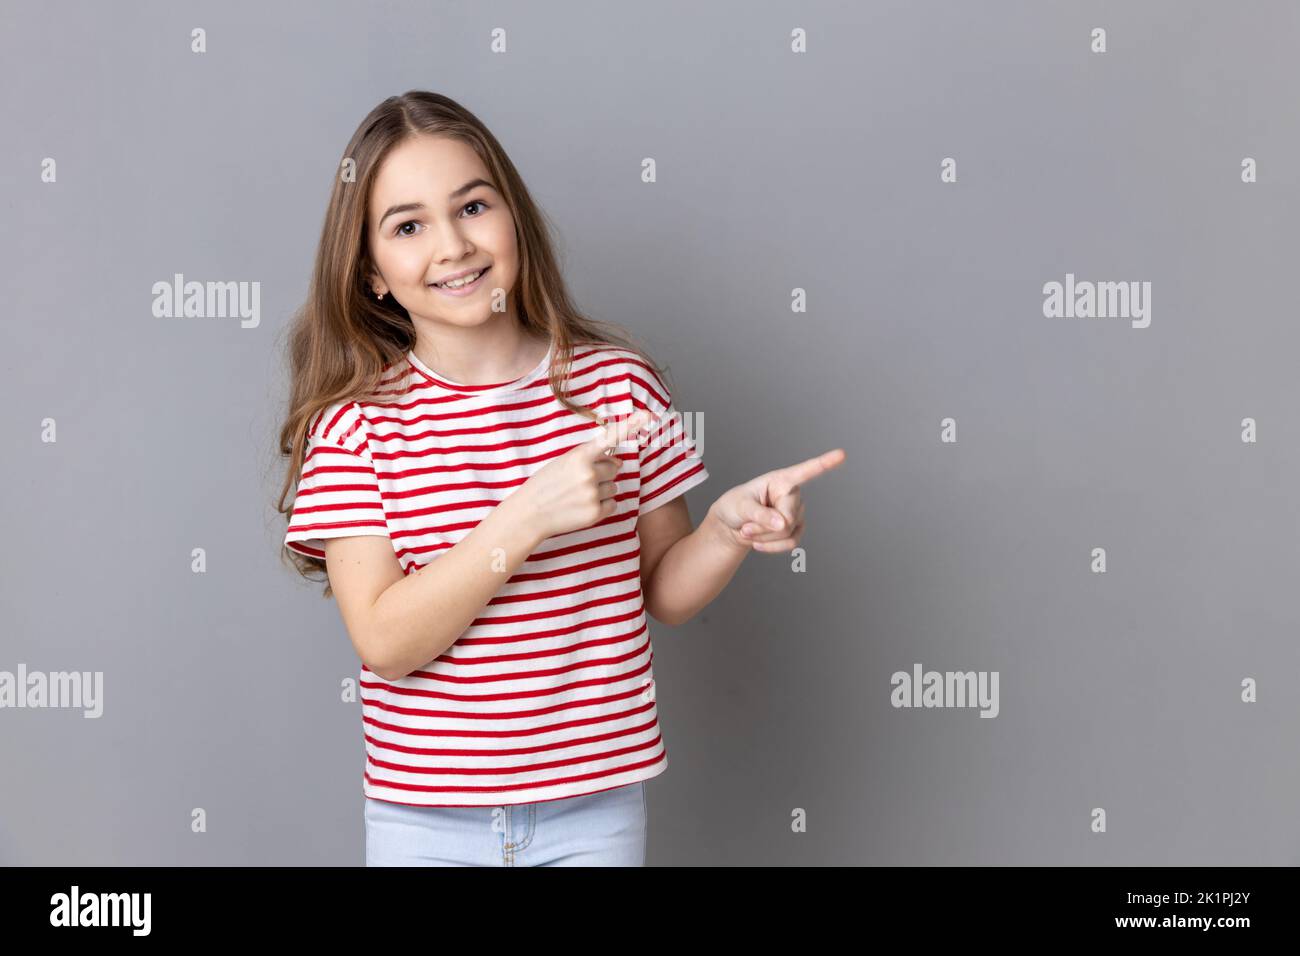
(451, 244)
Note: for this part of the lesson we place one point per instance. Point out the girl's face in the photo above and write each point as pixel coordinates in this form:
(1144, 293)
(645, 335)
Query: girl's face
(434, 213)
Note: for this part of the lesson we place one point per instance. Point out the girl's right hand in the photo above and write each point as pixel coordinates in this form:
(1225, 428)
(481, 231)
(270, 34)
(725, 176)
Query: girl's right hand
(576, 490)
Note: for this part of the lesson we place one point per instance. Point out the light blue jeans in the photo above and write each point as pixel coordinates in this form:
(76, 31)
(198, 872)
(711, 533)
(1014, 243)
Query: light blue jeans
(607, 828)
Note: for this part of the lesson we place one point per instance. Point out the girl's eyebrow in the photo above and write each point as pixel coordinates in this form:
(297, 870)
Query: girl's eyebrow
(417, 206)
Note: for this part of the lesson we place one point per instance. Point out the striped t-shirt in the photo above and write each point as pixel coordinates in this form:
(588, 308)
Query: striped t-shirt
(549, 692)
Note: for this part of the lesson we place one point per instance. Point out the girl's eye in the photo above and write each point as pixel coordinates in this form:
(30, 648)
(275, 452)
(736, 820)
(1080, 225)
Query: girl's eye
(412, 222)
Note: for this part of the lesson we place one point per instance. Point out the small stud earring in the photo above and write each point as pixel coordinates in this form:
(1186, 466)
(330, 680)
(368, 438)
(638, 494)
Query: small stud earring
(380, 296)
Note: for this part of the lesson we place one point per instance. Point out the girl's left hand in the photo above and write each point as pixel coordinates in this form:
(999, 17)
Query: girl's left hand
(766, 513)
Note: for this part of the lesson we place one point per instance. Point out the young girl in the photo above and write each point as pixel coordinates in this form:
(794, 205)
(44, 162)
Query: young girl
(493, 484)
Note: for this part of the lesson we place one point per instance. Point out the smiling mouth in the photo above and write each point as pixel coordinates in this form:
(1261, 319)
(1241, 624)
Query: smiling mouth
(481, 274)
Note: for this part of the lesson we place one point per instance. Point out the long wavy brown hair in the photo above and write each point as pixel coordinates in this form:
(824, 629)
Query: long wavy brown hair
(342, 338)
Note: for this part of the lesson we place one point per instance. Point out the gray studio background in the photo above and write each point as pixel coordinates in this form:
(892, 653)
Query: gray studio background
(776, 171)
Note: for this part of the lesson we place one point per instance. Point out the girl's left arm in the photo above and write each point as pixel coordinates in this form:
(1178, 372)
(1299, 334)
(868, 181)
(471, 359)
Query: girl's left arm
(764, 514)
(683, 569)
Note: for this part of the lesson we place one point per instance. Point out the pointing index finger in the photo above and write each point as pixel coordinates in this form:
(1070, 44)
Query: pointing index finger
(806, 471)
(615, 434)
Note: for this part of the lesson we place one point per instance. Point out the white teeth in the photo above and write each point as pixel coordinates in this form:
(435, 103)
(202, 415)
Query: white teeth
(465, 280)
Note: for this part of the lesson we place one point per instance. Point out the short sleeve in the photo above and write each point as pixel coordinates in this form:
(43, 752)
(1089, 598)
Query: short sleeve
(671, 463)
(338, 493)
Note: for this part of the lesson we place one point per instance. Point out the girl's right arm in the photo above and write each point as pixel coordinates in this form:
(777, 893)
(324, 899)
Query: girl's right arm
(398, 622)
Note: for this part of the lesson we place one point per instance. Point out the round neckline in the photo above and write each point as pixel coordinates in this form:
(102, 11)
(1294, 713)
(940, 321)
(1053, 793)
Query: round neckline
(510, 386)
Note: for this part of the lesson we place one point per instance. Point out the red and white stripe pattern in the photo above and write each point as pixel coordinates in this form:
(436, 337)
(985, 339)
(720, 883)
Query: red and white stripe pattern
(549, 692)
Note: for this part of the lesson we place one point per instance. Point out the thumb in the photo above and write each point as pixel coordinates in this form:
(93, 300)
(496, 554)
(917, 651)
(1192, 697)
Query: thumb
(752, 511)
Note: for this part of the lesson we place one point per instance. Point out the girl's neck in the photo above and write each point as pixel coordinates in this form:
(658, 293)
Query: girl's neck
(497, 352)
